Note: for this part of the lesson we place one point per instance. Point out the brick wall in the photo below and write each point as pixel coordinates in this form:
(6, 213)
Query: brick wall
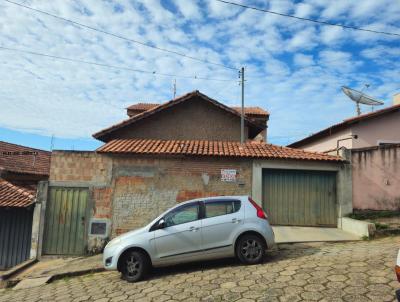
(146, 187)
(80, 166)
(76, 168)
(130, 191)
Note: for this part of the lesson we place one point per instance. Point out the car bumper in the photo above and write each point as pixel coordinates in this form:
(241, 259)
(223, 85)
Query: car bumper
(110, 258)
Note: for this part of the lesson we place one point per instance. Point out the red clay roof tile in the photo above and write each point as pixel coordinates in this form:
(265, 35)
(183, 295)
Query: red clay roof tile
(15, 196)
(21, 159)
(210, 148)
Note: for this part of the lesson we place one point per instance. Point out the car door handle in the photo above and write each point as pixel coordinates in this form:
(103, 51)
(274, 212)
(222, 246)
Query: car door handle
(235, 220)
(193, 229)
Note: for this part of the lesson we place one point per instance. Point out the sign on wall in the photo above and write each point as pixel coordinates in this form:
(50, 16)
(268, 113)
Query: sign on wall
(228, 175)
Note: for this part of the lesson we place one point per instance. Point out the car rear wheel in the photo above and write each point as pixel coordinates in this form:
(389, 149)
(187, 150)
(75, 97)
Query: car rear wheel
(135, 266)
(250, 249)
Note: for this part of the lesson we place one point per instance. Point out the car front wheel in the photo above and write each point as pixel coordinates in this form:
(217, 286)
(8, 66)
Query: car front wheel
(250, 249)
(135, 266)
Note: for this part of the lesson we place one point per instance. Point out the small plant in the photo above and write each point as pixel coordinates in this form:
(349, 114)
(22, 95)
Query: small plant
(371, 214)
(381, 226)
(365, 238)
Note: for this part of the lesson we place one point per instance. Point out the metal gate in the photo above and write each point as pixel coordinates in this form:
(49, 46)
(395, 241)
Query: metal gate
(66, 221)
(300, 197)
(15, 235)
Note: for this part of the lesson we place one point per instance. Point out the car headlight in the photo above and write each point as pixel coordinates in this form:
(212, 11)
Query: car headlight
(113, 242)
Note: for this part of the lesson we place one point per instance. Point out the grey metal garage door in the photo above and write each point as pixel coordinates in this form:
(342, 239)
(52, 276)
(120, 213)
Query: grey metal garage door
(299, 197)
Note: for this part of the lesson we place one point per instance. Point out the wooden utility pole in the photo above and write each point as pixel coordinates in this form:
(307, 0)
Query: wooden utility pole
(242, 112)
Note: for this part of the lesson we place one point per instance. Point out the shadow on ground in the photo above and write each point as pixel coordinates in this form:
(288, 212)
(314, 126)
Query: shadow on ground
(285, 252)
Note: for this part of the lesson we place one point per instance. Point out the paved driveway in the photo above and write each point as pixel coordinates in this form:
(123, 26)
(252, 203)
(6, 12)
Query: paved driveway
(352, 271)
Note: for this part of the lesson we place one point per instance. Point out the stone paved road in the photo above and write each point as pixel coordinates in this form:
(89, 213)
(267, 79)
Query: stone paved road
(353, 271)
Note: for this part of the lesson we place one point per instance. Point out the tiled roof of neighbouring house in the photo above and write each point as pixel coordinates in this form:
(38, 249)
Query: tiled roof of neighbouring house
(247, 110)
(100, 135)
(21, 159)
(252, 111)
(15, 196)
(343, 125)
(210, 148)
(143, 106)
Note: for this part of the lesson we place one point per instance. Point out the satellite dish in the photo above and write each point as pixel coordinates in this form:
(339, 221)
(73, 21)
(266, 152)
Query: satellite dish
(360, 98)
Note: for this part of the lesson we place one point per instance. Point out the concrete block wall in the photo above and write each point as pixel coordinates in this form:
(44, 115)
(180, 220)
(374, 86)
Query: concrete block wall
(146, 187)
(130, 191)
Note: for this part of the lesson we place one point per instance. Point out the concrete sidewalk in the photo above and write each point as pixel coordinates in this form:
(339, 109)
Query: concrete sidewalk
(292, 234)
(51, 268)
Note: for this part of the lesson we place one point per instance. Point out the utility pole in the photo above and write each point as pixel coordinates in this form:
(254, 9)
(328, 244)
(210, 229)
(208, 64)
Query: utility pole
(241, 72)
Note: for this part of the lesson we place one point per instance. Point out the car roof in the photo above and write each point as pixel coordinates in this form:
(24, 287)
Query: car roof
(241, 197)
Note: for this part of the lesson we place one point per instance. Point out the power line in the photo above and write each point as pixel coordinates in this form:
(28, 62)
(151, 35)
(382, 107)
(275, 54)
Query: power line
(119, 36)
(113, 66)
(310, 20)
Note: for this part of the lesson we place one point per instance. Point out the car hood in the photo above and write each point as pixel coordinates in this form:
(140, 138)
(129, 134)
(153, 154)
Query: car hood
(133, 233)
(127, 235)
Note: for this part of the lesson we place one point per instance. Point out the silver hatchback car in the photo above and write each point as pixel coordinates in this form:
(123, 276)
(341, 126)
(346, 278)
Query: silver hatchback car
(199, 229)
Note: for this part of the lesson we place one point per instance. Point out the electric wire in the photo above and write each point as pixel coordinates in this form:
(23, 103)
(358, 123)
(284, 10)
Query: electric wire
(113, 66)
(310, 20)
(119, 36)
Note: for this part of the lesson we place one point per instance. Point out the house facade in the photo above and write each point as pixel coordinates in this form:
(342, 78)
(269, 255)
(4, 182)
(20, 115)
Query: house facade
(157, 158)
(374, 141)
(21, 168)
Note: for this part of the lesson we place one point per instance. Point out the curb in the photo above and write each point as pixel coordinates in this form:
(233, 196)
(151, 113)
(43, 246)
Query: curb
(76, 273)
(14, 282)
(17, 269)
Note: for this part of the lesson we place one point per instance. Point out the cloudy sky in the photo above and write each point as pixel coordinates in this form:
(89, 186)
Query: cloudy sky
(294, 69)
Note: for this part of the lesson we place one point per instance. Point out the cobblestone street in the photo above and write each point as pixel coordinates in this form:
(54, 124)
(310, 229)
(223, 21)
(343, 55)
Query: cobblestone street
(353, 271)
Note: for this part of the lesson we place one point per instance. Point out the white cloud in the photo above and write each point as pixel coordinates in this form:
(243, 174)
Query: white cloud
(294, 69)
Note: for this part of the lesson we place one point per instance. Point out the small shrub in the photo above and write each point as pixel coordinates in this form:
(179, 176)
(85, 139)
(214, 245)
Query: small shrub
(371, 214)
(381, 226)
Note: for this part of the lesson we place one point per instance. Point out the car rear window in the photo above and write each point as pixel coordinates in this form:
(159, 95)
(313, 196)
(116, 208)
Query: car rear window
(215, 208)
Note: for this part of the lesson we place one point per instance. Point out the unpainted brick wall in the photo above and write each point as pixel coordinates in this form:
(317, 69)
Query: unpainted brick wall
(86, 168)
(146, 187)
(130, 191)
(80, 166)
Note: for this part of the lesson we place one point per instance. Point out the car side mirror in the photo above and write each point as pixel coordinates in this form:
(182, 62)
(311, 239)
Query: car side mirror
(161, 223)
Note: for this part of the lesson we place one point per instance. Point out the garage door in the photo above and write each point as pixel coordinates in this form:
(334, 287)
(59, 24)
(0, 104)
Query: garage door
(299, 197)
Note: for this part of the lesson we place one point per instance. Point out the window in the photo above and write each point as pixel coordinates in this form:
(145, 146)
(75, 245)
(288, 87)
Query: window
(183, 214)
(221, 207)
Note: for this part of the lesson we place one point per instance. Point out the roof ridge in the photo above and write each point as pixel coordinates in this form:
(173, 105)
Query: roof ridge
(346, 122)
(13, 144)
(166, 105)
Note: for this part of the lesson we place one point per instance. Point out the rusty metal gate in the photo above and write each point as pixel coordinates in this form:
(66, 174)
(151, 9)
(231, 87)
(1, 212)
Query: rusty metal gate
(66, 221)
(15, 235)
(300, 197)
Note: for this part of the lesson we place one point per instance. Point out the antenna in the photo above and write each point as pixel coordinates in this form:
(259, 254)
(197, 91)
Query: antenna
(174, 88)
(52, 142)
(360, 98)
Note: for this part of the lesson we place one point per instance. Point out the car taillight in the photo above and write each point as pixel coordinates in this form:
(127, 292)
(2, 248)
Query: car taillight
(397, 270)
(260, 213)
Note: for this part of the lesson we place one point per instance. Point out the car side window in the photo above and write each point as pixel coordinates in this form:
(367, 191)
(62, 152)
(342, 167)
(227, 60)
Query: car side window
(221, 207)
(183, 214)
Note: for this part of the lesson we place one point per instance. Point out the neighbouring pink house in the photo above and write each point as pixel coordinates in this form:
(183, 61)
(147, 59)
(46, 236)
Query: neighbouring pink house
(374, 140)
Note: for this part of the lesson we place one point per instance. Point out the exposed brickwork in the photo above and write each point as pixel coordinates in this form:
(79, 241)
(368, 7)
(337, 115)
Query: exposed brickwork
(102, 198)
(145, 187)
(133, 190)
(79, 166)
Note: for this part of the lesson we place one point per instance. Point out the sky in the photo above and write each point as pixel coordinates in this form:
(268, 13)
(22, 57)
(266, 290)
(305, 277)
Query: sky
(293, 69)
